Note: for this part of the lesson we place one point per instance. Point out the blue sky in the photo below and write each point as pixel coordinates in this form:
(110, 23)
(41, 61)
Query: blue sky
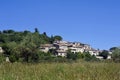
(95, 22)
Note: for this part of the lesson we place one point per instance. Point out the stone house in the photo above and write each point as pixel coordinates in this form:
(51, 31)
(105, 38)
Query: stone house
(61, 53)
(61, 42)
(47, 47)
(63, 47)
(76, 44)
(86, 47)
(94, 52)
(76, 49)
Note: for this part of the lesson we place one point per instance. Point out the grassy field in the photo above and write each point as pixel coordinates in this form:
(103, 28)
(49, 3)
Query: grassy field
(60, 71)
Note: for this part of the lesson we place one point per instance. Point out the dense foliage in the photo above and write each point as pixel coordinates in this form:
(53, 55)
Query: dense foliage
(104, 54)
(24, 46)
(116, 55)
(85, 56)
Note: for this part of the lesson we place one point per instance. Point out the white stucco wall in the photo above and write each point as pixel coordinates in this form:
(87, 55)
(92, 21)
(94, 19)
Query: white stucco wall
(62, 54)
(1, 50)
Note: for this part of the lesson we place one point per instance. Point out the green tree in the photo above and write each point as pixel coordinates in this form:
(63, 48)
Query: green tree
(104, 54)
(29, 48)
(26, 32)
(51, 39)
(58, 38)
(44, 33)
(72, 56)
(79, 55)
(10, 31)
(89, 57)
(0, 32)
(10, 50)
(113, 48)
(116, 55)
(36, 30)
(5, 31)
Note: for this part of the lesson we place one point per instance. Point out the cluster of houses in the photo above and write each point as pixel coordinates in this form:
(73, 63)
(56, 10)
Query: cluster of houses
(62, 47)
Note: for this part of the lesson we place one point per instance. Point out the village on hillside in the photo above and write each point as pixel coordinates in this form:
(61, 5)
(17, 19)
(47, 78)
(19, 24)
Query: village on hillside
(61, 48)
(27, 45)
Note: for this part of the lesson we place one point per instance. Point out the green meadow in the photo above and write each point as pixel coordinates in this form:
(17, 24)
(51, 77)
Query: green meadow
(60, 71)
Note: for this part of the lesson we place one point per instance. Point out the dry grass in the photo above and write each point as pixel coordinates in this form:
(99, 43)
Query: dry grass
(60, 71)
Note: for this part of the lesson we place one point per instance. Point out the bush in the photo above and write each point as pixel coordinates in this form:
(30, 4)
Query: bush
(60, 59)
(2, 58)
(12, 58)
(89, 57)
(71, 56)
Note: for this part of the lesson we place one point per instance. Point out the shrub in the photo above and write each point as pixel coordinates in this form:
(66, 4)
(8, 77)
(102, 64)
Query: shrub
(2, 58)
(89, 57)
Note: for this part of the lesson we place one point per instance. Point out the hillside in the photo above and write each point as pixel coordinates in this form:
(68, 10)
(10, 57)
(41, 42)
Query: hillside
(26, 46)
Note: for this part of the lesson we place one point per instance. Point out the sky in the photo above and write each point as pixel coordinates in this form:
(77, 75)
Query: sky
(94, 22)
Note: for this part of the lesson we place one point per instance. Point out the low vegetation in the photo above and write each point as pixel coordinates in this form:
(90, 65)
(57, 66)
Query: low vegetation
(60, 71)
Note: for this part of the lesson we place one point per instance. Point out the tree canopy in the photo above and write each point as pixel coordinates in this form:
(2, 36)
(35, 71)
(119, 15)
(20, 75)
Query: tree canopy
(104, 54)
(24, 46)
(116, 55)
